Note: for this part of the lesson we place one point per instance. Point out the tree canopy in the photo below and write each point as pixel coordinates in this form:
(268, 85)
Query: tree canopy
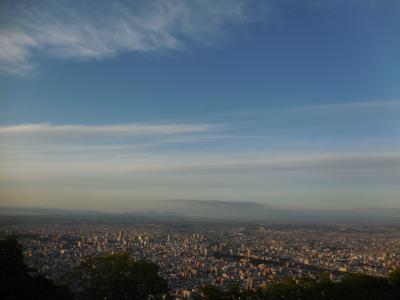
(18, 281)
(352, 287)
(119, 276)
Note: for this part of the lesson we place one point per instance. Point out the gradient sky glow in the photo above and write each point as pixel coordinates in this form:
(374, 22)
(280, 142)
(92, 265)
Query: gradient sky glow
(109, 104)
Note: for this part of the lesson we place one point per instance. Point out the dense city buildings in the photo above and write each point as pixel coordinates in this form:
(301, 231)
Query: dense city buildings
(192, 254)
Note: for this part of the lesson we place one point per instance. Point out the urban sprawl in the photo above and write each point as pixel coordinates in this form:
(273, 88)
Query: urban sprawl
(193, 254)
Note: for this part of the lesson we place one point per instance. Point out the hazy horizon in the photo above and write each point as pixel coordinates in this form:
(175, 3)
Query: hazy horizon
(128, 105)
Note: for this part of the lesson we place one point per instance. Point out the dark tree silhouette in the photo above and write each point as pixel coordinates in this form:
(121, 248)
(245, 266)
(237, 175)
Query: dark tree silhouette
(352, 287)
(120, 277)
(20, 282)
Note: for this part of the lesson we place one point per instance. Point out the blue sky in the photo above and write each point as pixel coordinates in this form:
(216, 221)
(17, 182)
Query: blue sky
(111, 105)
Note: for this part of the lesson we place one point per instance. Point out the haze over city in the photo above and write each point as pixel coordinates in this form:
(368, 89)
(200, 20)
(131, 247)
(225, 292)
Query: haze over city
(133, 106)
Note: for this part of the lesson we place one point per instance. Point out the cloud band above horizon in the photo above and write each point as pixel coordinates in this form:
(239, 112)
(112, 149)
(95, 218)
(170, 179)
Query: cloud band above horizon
(103, 162)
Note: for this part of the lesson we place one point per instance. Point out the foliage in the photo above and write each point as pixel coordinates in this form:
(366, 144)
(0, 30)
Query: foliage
(120, 277)
(18, 281)
(352, 287)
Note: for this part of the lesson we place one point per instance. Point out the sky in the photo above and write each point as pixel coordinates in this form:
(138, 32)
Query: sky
(110, 105)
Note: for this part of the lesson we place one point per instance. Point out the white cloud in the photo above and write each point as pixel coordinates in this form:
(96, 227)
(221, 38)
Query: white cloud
(62, 131)
(42, 161)
(351, 105)
(100, 29)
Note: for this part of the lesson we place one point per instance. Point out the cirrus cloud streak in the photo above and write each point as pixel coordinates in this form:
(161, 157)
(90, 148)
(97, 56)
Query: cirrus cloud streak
(47, 129)
(88, 30)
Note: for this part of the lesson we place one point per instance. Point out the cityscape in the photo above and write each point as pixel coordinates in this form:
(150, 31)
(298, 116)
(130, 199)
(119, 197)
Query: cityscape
(193, 254)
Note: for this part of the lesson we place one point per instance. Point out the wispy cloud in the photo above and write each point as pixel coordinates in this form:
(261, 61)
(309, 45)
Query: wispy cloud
(62, 131)
(100, 29)
(45, 161)
(293, 162)
(351, 105)
(202, 168)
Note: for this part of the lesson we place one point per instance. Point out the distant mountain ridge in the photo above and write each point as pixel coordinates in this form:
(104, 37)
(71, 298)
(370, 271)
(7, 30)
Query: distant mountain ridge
(9, 210)
(217, 210)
